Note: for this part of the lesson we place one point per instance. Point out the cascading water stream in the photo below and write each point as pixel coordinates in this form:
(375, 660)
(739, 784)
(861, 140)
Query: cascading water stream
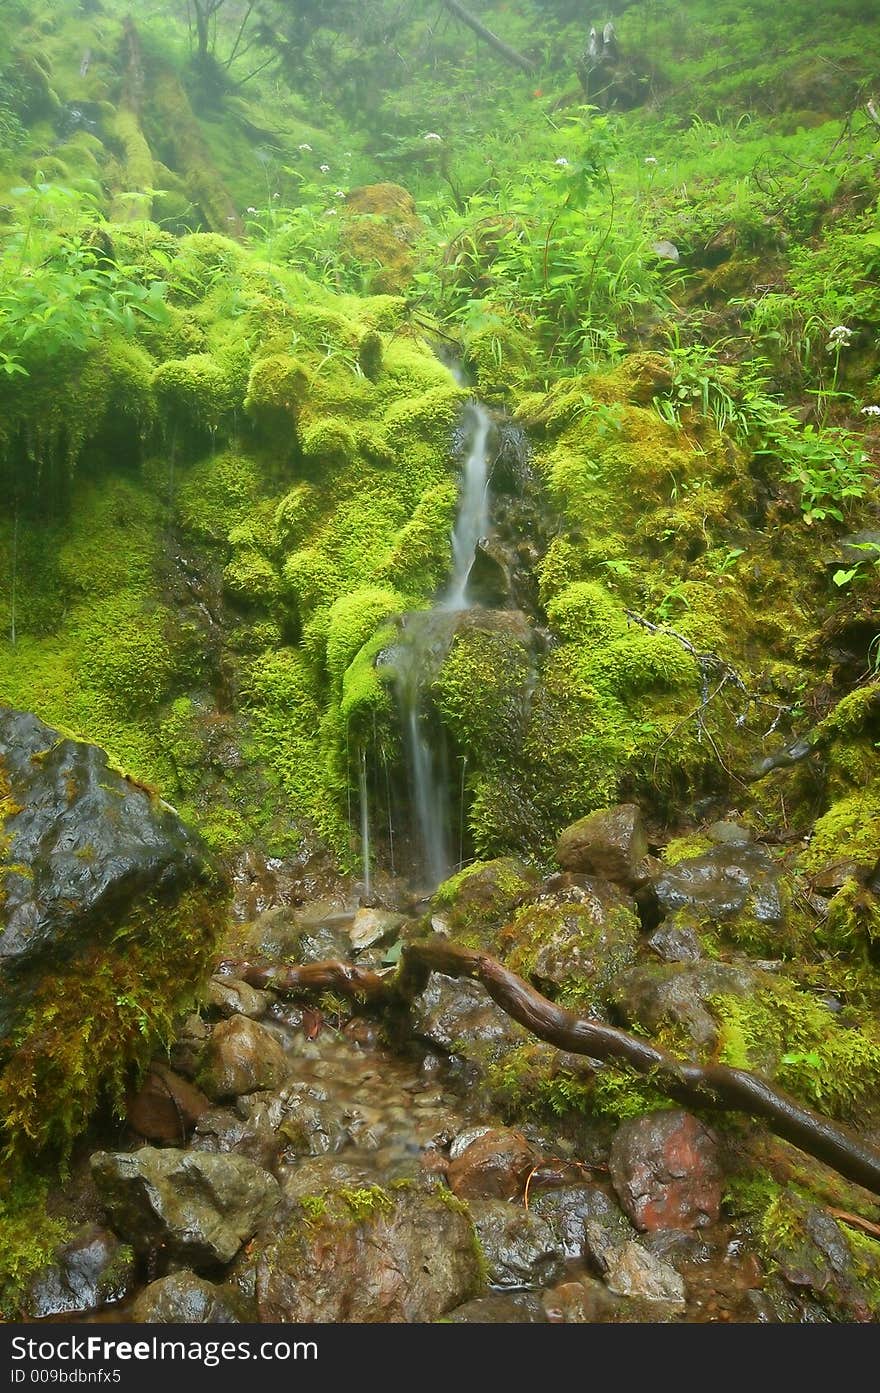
(472, 521)
(427, 639)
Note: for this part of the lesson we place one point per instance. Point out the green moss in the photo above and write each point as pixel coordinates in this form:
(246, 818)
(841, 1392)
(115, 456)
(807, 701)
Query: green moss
(848, 832)
(29, 1237)
(789, 1036)
(686, 847)
(572, 951)
(477, 900)
(585, 612)
(366, 1202)
(94, 1021)
(200, 390)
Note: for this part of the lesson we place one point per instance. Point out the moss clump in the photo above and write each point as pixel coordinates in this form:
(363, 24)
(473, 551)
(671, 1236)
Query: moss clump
(848, 832)
(787, 1035)
(572, 950)
(366, 1202)
(477, 900)
(686, 847)
(200, 390)
(585, 612)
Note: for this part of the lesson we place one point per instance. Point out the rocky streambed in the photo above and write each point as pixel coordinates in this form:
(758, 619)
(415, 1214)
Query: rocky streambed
(314, 1158)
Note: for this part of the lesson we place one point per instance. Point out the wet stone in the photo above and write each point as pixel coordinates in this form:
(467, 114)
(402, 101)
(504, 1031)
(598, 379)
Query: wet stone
(571, 1207)
(666, 1172)
(230, 997)
(500, 1308)
(199, 1207)
(184, 1299)
(610, 843)
(166, 1107)
(631, 1270)
(241, 1056)
(680, 993)
(93, 1270)
(520, 1247)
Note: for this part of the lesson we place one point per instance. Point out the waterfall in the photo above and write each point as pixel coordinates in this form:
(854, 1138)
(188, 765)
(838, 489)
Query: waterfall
(424, 643)
(365, 822)
(472, 521)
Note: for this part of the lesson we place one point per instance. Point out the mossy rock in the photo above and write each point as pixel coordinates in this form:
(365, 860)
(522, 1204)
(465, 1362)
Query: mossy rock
(109, 908)
(572, 944)
(477, 901)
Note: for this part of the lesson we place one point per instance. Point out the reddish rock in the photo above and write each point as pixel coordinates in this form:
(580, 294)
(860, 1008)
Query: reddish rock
(497, 1164)
(165, 1107)
(665, 1170)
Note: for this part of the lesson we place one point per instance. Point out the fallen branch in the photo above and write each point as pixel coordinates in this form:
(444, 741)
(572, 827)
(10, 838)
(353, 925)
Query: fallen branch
(697, 1085)
(511, 54)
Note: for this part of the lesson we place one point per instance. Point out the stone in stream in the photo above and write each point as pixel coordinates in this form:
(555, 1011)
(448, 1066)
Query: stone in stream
(223, 1131)
(91, 1271)
(500, 1308)
(241, 1056)
(666, 1172)
(520, 1247)
(229, 997)
(367, 1255)
(818, 1256)
(496, 1164)
(110, 912)
(610, 843)
(570, 1208)
(199, 1208)
(631, 1270)
(479, 899)
(181, 1298)
(373, 926)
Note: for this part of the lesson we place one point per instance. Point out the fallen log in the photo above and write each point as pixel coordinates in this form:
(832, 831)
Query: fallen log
(698, 1085)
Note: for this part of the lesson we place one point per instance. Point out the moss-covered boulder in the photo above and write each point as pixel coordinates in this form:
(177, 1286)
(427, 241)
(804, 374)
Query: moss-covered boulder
(108, 912)
(380, 230)
(737, 890)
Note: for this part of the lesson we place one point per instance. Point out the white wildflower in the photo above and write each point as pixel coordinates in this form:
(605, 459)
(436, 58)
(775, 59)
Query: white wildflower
(308, 148)
(324, 168)
(329, 212)
(871, 410)
(840, 332)
(432, 135)
(562, 162)
(340, 193)
(250, 210)
(650, 159)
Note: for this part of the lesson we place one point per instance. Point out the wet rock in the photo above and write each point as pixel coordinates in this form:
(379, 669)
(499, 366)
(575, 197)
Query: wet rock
(379, 228)
(184, 1299)
(652, 995)
(490, 582)
(200, 1208)
(735, 887)
(102, 884)
(676, 941)
(91, 1271)
(571, 1207)
(223, 1131)
(728, 833)
(367, 1255)
(286, 934)
(631, 1270)
(520, 1247)
(453, 1013)
(610, 843)
(583, 1302)
(230, 997)
(166, 1107)
(241, 1057)
(500, 1308)
(373, 926)
(816, 1256)
(666, 1172)
(573, 942)
(496, 1164)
